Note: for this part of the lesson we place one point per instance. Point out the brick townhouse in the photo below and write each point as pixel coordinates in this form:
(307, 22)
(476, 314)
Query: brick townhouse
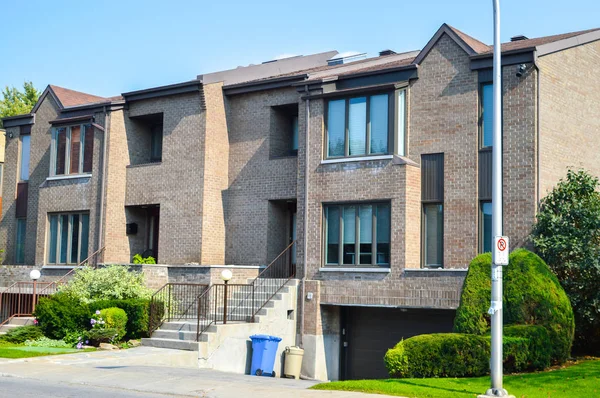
(379, 168)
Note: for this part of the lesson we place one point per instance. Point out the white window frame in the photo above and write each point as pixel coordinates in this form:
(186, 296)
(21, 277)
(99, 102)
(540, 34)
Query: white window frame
(54, 149)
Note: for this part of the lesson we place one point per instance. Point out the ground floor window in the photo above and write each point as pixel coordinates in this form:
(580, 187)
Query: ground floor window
(485, 227)
(357, 234)
(433, 234)
(21, 227)
(68, 238)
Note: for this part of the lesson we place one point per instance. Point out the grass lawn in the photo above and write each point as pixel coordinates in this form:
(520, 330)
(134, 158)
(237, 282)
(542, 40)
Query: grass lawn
(578, 380)
(18, 351)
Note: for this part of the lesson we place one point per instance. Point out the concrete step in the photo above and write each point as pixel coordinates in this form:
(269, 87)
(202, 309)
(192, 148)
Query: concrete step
(7, 327)
(172, 344)
(174, 335)
(262, 296)
(22, 321)
(181, 326)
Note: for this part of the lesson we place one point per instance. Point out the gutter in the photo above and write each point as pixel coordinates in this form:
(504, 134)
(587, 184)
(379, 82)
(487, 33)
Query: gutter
(306, 175)
(103, 184)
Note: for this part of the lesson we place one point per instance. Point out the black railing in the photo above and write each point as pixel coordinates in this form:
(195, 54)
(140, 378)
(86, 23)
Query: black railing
(173, 302)
(241, 302)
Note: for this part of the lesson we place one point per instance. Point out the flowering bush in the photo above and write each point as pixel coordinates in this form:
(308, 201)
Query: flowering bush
(111, 282)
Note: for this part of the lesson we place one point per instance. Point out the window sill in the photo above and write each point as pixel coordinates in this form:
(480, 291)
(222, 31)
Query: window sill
(355, 269)
(68, 177)
(131, 166)
(60, 266)
(357, 159)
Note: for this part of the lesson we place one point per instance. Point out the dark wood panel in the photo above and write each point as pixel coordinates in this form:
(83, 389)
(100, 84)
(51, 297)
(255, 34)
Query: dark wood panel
(432, 177)
(370, 332)
(485, 175)
(21, 202)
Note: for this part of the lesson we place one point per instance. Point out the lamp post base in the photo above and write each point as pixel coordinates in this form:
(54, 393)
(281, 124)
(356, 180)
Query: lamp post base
(495, 393)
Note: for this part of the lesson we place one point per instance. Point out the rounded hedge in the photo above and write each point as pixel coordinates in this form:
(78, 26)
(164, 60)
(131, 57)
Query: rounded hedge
(532, 296)
(115, 318)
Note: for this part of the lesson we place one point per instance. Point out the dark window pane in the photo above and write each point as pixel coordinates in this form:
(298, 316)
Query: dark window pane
(295, 133)
(379, 123)
(486, 226)
(21, 233)
(64, 238)
(75, 149)
(487, 114)
(24, 159)
(61, 150)
(366, 234)
(357, 126)
(434, 230)
(349, 250)
(156, 144)
(74, 239)
(88, 148)
(336, 130)
(333, 235)
(52, 239)
(85, 230)
(383, 234)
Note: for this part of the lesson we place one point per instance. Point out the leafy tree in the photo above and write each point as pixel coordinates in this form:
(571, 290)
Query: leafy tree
(567, 236)
(16, 102)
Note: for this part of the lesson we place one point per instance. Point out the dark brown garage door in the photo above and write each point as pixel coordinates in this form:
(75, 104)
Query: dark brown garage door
(370, 332)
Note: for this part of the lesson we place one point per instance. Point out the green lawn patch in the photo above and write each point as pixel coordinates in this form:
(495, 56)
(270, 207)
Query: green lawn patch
(578, 380)
(18, 351)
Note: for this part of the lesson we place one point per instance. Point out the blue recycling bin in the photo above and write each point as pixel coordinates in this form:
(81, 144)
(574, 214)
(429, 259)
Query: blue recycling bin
(264, 350)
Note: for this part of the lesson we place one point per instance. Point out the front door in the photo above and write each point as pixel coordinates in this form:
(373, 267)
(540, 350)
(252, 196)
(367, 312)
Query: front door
(153, 227)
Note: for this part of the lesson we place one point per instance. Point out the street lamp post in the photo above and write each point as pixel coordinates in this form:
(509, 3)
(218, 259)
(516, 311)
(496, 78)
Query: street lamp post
(34, 275)
(226, 276)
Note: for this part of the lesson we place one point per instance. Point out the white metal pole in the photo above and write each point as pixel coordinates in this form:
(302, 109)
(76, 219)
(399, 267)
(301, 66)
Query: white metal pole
(496, 307)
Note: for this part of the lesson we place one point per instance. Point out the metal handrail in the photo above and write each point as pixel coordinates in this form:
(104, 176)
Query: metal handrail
(165, 302)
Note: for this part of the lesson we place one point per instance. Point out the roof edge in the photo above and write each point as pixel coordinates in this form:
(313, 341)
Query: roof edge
(445, 28)
(161, 91)
(18, 120)
(564, 44)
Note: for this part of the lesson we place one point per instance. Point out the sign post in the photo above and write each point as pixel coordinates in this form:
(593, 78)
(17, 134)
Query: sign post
(500, 243)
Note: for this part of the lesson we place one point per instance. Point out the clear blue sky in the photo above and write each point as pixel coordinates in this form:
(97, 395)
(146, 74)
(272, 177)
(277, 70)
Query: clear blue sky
(108, 47)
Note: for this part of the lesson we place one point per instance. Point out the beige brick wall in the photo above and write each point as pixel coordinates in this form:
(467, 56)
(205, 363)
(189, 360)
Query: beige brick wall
(570, 103)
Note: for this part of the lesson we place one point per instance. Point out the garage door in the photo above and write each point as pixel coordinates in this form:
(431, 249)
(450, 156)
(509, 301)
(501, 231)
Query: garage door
(369, 332)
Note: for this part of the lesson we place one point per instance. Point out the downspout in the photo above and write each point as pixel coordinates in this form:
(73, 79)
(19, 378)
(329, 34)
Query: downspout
(538, 135)
(103, 184)
(306, 169)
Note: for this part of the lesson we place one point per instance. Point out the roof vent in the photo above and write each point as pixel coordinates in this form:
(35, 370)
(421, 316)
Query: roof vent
(387, 52)
(519, 38)
(345, 58)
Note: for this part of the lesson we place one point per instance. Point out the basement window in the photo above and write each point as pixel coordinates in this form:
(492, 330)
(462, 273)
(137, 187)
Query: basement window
(283, 137)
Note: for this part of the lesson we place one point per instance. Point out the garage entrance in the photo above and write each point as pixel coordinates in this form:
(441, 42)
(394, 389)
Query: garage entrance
(368, 332)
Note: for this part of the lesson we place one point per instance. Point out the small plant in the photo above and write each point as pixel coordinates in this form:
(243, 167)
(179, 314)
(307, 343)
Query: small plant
(46, 342)
(138, 259)
(97, 336)
(21, 334)
(76, 339)
(115, 318)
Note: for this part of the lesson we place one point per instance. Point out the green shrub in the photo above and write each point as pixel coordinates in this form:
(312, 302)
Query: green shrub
(532, 296)
(138, 259)
(21, 334)
(101, 335)
(108, 283)
(115, 318)
(462, 355)
(567, 236)
(137, 314)
(61, 314)
(538, 340)
(46, 342)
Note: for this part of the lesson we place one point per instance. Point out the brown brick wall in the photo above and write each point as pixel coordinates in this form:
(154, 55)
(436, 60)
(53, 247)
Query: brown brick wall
(570, 102)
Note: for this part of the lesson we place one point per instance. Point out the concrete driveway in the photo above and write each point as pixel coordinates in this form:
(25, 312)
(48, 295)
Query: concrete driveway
(134, 373)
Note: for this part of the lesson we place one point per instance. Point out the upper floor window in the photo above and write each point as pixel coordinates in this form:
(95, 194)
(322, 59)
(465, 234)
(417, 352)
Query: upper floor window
(486, 118)
(357, 234)
(432, 197)
(365, 125)
(283, 140)
(25, 150)
(147, 134)
(72, 150)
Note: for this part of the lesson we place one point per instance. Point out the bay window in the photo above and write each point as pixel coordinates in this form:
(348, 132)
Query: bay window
(68, 238)
(366, 125)
(357, 234)
(72, 150)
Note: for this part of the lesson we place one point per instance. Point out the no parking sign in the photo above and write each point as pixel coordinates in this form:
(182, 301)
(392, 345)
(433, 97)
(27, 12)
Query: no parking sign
(500, 250)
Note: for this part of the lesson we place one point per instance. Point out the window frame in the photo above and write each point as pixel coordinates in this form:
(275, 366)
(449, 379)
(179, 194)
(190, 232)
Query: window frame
(54, 150)
(340, 264)
(424, 234)
(17, 259)
(20, 168)
(481, 229)
(480, 112)
(393, 123)
(69, 237)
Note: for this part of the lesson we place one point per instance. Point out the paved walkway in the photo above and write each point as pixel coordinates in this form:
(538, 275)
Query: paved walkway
(130, 372)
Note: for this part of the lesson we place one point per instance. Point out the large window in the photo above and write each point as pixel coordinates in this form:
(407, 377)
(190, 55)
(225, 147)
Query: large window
(357, 234)
(364, 126)
(72, 150)
(68, 238)
(432, 196)
(21, 233)
(25, 141)
(486, 117)
(485, 226)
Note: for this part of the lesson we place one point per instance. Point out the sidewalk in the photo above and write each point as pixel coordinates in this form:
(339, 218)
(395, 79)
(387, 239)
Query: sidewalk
(133, 370)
